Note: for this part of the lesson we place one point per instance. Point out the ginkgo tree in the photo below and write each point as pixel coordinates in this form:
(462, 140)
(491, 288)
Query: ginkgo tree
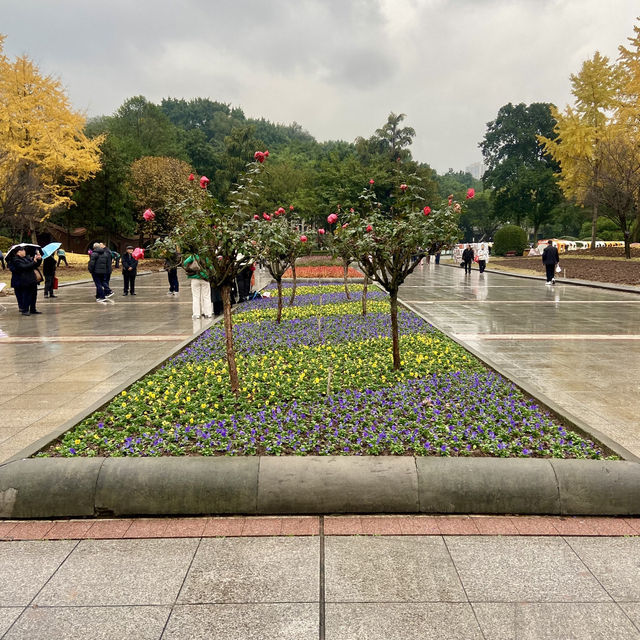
(44, 153)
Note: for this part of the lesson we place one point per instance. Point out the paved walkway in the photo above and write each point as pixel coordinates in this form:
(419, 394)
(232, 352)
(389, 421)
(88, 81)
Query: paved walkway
(318, 583)
(579, 346)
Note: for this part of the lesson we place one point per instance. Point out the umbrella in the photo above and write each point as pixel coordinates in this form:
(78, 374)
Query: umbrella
(50, 249)
(30, 249)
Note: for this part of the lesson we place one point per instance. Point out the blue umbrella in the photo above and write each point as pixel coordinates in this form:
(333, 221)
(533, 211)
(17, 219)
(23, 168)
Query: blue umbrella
(50, 249)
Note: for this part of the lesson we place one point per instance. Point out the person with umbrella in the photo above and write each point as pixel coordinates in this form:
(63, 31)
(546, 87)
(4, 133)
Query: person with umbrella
(25, 276)
(49, 268)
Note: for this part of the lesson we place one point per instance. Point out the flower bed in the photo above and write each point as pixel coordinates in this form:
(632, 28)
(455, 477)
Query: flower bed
(322, 383)
(322, 272)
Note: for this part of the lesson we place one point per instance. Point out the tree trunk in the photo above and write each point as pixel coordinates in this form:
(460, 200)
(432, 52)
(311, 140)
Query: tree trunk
(228, 332)
(364, 297)
(345, 266)
(393, 295)
(293, 292)
(34, 236)
(279, 316)
(594, 220)
(627, 245)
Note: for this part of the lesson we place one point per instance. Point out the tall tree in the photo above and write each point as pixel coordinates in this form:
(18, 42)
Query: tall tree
(518, 168)
(44, 153)
(580, 128)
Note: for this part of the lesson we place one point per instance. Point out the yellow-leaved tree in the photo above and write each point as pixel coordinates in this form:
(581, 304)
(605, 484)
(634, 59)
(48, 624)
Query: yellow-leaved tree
(580, 129)
(44, 153)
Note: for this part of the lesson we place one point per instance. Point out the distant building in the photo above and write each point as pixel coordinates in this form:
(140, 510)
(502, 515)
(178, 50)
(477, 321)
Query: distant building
(476, 169)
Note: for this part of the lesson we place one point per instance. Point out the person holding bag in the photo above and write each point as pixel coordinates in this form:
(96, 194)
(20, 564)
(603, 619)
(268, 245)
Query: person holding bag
(550, 259)
(24, 280)
(200, 289)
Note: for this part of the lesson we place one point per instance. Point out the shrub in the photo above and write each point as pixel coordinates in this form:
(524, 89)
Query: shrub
(509, 238)
(5, 243)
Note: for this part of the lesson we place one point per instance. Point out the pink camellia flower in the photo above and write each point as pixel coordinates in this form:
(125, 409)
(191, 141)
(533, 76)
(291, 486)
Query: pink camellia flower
(266, 153)
(450, 199)
(280, 210)
(371, 181)
(303, 238)
(148, 215)
(266, 216)
(290, 207)
(332, 218)
(191, 177)
(256, 217)
(470, 193)
(345, 225)
(369, 228)
(321, 232)
(204, 181)
(259, 156)
(403, 187)
(351, 210)
(426, 210)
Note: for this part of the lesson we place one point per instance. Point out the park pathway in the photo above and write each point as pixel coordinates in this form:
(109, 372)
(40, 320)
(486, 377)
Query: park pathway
(578, 346)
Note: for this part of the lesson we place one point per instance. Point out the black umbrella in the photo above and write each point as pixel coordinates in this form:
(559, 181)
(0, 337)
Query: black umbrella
(29, 248)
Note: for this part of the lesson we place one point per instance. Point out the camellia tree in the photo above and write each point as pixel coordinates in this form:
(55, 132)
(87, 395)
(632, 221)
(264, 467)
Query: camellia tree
(340, 244)
(275, 242)
(390, 243)
(221, 238)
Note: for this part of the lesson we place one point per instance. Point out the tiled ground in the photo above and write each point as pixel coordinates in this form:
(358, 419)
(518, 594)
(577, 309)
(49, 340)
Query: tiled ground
(257, 526)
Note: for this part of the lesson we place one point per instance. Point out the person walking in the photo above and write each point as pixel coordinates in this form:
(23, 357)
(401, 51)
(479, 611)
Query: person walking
(200, 289)
(483, 257)
(49, 272)
(24, 280)
(116, 259)
(467, 258)
(129, 271)
(62, 257)
(438, 257)
(550, 259)
(100, 270)
(171, 265)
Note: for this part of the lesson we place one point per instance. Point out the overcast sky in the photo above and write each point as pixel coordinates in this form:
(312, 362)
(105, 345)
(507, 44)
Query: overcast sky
(337, 67)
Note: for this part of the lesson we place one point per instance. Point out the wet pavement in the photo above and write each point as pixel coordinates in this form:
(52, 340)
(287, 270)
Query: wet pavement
(579, 346)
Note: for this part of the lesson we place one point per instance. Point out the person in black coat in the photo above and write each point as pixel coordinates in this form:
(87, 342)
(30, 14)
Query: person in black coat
(467, 258)
(49, 272)
(550, 259)
(100, 270)
(24, 280)
(129, 271)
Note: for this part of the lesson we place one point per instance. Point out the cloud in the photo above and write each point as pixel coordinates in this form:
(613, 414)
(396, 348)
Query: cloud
(337, 68)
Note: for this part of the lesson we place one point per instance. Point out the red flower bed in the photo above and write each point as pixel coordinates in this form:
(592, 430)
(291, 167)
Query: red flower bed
(322, 272)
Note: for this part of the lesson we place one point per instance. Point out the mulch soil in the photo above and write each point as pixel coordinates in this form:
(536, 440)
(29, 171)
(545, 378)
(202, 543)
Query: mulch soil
(616, 271)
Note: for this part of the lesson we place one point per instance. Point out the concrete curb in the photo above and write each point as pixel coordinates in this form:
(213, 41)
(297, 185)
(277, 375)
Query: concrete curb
(316, 485)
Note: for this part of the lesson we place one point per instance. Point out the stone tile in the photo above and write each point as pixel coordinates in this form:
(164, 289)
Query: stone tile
(31, 530)
(419, 526)
(257, 526)
(634, 523)
(390, 569)
(185, 527)
(457, 525)
(574, 527)
(534, 569)
(223, 527)
(105, 529)
(69, 530)
(550, 621)
(391, 621)
(495, 525)
(8, 615)
(612, 527)
(120, 572)
(237, 570)
(342, 526)
(5, 529)
(632, 610)
(147, 528)
(615, 562)
(303, 526)
(92, 623)
(26, 566)
(535, 525)
(381, 525)
(247, 621)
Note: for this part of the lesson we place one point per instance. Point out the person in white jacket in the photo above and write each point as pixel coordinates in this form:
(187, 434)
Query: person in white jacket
(483, 257)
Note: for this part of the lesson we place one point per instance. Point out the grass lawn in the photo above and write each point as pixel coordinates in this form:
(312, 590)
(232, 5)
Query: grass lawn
(321, 383)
